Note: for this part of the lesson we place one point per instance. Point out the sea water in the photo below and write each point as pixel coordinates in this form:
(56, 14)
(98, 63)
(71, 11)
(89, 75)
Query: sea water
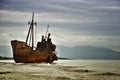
(96, 65)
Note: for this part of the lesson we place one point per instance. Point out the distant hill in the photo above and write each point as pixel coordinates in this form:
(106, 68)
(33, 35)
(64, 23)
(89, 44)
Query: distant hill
(88, 52)
(5, 58)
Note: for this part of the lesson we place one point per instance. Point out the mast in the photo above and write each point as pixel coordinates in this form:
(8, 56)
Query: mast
(31, 31)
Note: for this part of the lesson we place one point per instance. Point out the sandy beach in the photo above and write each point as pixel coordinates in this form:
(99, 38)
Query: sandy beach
(55, 71)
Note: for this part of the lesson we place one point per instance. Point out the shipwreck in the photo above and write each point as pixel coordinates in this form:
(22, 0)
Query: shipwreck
(26, 52)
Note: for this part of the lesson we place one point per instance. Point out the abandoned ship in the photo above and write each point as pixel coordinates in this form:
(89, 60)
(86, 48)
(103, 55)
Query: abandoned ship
(26, 52)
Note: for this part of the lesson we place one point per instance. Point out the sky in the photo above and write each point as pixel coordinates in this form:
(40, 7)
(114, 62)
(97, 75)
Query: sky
(72, 22)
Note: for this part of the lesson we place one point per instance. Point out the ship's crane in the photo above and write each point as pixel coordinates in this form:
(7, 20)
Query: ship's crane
(46, 32)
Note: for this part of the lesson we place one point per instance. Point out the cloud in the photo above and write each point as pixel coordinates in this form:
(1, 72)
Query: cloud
(76, 38)
(5, 38)
(13, 16)
(78, 11)
(71, 22)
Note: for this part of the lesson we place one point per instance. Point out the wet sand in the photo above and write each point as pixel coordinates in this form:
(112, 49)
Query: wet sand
(44, 71)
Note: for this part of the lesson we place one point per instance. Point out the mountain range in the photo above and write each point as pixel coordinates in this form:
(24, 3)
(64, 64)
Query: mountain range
(77, 52)
(88, 52)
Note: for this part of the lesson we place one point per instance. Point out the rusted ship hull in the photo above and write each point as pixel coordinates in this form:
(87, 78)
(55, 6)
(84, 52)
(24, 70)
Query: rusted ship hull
(43, 52)
(22, 53)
